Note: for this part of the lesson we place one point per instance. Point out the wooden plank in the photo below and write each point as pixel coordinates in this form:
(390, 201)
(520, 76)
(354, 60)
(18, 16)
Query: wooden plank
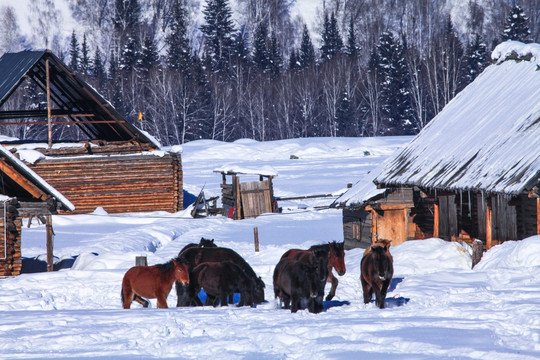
(489, 225)
(538, 216)
(436, 220)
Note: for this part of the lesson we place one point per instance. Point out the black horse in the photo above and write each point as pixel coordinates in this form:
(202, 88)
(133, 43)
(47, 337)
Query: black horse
(202, 243)
(377, 270)
(220, 280)
(317, 259)
(296, 281)
(195, 256)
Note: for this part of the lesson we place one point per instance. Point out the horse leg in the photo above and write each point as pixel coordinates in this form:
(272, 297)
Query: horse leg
(367, 290)
(162, 301)
(224, 300)
(141, 300)
(286, 299)
(382, 294)
(295, 303)
(127, 296)
(334, 282)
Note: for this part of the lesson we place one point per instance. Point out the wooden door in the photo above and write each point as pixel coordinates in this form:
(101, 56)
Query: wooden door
(391, 225)
(256, 198)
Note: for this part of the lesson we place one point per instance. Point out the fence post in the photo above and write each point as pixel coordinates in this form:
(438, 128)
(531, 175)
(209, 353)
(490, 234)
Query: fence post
(256, 238)
(141, 261)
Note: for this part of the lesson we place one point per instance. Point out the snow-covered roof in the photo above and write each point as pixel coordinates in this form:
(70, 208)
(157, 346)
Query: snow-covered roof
(362, 191)
(38, 180)
(487, 138)
(263, 170)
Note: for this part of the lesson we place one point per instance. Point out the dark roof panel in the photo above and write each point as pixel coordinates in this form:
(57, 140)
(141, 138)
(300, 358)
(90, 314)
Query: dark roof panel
(71, 96)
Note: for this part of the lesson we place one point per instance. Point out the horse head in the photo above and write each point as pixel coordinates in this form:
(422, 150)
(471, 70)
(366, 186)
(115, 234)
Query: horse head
(382, 263)
(336, 257)
(181, 271)
(207, 243)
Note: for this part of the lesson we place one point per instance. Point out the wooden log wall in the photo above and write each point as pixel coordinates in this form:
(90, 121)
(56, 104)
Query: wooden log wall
(118, 183)
(10, 239)
(356, 228)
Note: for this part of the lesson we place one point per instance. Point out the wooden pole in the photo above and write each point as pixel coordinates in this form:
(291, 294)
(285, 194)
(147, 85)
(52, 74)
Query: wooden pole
(436, 220)
(50, 234)
(538, 216)
(489, 225)
(141, 261)
(256, 238)
(49, 117)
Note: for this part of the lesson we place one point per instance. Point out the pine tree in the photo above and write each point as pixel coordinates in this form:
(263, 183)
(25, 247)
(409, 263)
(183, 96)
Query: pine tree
(351, 49)
(275, 56)
(178, 55)
(218, 33)
(115, 92)
(396, 105)
(85, 57)
(475, 60)
(74, 53)
(149, 57)
(240, 50)
(261, 57)
(332, 42)
(306, 53)
(517, 26)
(293, 61)
(344, 116)
(98, 70)
(130, 53)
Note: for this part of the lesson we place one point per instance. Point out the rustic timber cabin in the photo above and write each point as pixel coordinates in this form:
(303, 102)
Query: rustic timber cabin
(243, 200)
(91, 154)
(473, 172)
(23, 193)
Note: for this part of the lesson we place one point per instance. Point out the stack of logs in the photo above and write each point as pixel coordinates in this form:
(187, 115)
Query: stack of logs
(10, 239)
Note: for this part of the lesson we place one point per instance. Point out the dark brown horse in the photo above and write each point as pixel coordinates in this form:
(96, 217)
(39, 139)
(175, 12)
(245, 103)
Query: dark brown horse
(202, 243)
(296, 281)
(221, 280)
(377, 270)
(195, 256)
(336, 260)
(152, 282)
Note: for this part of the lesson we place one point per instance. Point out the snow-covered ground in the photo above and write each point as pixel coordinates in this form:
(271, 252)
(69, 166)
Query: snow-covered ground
(437, 307)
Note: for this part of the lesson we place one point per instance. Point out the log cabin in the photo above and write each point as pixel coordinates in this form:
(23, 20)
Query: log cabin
(91, 154)
(23, 193)
(472, 173)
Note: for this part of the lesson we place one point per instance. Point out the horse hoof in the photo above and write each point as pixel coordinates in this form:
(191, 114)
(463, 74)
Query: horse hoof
(329, 297)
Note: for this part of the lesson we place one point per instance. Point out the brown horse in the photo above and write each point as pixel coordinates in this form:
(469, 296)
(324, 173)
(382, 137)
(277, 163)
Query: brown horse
(336, 260)
(195, 256)
(221, 280)
(152, 282)
(377, 270)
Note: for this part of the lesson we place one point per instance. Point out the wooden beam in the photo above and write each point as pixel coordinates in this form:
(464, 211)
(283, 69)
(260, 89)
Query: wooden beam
(50, 234)
(436, 219)
(538, 216)
(22, 181)
(49, 118)
(489, 225)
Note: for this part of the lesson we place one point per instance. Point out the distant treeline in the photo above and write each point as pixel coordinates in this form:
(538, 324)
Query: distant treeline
(373, 67)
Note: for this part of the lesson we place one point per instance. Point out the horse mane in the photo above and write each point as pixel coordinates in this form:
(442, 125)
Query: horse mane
(165, 267)
(324, 247)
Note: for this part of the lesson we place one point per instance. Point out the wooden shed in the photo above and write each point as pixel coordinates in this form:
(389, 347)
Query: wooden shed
(249, 199)
(474, 171)
(105, 161)
(23, 193)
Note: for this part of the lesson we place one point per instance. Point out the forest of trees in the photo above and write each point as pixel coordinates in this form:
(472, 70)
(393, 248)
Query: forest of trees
(372, 67)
